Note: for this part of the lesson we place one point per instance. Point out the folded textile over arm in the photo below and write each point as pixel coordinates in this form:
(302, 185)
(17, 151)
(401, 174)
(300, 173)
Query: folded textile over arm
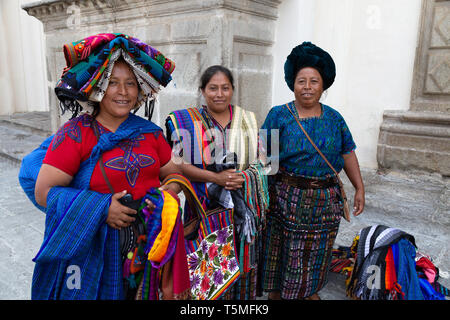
(73, 219)
(79, 257)
(29, 170)
(165, 251)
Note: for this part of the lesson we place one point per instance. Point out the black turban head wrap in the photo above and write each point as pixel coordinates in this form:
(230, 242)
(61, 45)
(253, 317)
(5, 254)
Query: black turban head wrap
(309, 55)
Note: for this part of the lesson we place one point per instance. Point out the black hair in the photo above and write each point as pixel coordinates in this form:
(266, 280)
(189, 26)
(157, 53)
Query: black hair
(211, 71)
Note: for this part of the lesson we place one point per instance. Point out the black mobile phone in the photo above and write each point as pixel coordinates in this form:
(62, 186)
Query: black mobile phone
(126, 199)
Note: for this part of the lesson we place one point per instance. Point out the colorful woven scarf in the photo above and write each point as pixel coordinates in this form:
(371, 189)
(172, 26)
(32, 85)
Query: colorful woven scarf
(164, 216)
(243, 140)
(401, 277)
(89, 66)
(193, 128)
(165, 246)
(190, 128)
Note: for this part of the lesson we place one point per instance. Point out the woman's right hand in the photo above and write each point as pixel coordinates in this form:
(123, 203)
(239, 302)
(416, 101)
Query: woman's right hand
(118, 214)
(230, 179)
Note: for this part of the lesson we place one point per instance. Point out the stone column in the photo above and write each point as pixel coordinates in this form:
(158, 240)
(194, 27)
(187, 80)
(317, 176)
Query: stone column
(419, 139)
(193, 33)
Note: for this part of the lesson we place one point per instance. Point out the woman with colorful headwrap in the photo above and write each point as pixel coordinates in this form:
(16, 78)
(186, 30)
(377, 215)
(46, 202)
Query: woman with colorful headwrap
(305, 201)
(97, 180)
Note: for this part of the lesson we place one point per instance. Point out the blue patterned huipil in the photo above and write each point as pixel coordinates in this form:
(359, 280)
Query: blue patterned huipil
(297, 156)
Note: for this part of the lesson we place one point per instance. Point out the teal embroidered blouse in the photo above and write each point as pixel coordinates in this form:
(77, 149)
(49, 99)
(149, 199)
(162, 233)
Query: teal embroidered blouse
(296, 155)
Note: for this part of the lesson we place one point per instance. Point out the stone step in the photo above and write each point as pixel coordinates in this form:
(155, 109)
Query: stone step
(35, 122)
(17, 143)
(418, 199)
(21, 134)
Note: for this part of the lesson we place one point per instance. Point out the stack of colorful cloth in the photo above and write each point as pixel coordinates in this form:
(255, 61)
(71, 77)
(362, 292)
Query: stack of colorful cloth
(162, 242)
(90, 62)
(383, 264)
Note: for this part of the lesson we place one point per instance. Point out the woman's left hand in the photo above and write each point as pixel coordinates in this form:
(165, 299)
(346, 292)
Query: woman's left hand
(359, 202)
(173, 186)
(173, 189)
(168, 187)
(150, 205)
(230, 179)
(351, 168)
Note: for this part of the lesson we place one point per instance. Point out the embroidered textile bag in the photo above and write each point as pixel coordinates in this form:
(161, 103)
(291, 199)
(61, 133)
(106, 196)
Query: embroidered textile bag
(210, 246)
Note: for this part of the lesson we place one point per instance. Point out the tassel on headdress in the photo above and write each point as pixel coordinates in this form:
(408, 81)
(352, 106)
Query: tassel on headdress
(70, 105)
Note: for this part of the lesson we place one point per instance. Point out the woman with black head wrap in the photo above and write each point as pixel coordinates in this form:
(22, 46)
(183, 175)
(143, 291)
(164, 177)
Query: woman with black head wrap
(306, 204)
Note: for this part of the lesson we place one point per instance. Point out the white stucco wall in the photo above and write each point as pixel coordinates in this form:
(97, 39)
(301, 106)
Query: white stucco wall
(373, 44)
(23, 81)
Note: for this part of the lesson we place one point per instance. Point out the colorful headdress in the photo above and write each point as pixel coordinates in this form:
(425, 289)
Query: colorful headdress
(90, 62)
(309, 55)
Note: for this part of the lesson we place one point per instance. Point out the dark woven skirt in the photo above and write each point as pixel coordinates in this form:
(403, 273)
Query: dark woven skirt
(302, 225)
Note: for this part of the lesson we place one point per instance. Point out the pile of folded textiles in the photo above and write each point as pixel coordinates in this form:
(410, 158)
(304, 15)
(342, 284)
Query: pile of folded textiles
(384, 264)
(90, 62)
(160, 244)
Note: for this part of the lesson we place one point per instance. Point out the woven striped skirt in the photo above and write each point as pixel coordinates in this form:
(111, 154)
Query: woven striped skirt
(302, 225)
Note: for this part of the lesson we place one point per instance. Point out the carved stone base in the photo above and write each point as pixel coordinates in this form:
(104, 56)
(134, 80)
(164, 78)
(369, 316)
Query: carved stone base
(411, 140)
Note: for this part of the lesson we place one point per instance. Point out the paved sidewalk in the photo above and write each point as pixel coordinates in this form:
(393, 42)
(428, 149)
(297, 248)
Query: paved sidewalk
(21, 233)
(21, 133)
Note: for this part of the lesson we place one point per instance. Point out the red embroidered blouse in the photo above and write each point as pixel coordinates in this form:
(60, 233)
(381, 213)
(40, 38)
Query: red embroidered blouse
(133, 166)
